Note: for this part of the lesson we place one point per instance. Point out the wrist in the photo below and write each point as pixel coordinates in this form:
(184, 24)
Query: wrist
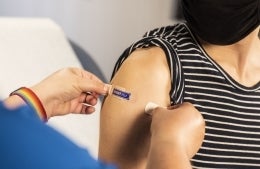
(31, 99)
(47, 97)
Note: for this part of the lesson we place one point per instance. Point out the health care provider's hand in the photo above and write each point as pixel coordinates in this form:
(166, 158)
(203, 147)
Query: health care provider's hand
(176, 133)
(64, 91)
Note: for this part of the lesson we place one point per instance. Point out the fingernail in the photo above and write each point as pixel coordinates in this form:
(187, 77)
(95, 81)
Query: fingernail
(107, 88)
(86, 104)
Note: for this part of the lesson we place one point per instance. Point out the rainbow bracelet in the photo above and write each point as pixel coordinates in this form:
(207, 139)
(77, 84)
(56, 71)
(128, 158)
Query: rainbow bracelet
(31, 99)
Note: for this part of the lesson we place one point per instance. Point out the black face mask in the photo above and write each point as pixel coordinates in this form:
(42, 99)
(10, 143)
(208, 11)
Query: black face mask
(222, 22)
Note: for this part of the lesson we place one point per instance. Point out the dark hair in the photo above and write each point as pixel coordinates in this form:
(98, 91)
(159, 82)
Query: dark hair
(177, 10)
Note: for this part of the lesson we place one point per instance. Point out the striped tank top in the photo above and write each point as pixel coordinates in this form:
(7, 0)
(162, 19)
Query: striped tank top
(231, 110)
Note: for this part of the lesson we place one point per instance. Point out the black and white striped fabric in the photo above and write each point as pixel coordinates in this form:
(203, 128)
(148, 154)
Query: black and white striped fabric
(231, 110)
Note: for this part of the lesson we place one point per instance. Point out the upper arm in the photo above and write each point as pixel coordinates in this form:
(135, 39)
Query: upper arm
(124, 128)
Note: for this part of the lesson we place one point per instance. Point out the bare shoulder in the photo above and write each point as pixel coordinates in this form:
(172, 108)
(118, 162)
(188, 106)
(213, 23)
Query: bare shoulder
(147, 64)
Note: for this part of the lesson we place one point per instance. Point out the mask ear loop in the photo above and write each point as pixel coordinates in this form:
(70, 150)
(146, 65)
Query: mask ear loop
(259, 17)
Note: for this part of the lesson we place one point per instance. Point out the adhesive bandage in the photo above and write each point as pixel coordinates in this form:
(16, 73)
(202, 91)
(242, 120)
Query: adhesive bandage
(119, 92)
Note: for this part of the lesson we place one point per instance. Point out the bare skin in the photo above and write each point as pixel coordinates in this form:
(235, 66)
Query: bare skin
(239, 60)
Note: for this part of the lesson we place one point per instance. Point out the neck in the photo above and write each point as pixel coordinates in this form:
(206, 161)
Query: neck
(240, 60)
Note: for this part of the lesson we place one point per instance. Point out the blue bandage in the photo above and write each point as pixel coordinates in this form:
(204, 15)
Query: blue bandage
(121, 94)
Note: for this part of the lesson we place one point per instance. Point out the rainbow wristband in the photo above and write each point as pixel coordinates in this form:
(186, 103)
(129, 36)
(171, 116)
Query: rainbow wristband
(31, 99)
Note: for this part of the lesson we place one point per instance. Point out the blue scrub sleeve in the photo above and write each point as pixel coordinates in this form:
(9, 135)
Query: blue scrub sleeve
(26, 142)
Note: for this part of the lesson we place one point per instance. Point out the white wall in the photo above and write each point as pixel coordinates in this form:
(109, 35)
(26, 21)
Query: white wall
(104, 28)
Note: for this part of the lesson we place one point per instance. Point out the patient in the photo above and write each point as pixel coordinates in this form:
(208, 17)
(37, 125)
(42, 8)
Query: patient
(210, 61)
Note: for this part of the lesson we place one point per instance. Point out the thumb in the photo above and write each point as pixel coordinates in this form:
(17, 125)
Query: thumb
(151, 108)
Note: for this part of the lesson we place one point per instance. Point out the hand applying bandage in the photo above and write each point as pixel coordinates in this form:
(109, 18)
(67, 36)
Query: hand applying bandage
(63, 92)
(180, 128)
